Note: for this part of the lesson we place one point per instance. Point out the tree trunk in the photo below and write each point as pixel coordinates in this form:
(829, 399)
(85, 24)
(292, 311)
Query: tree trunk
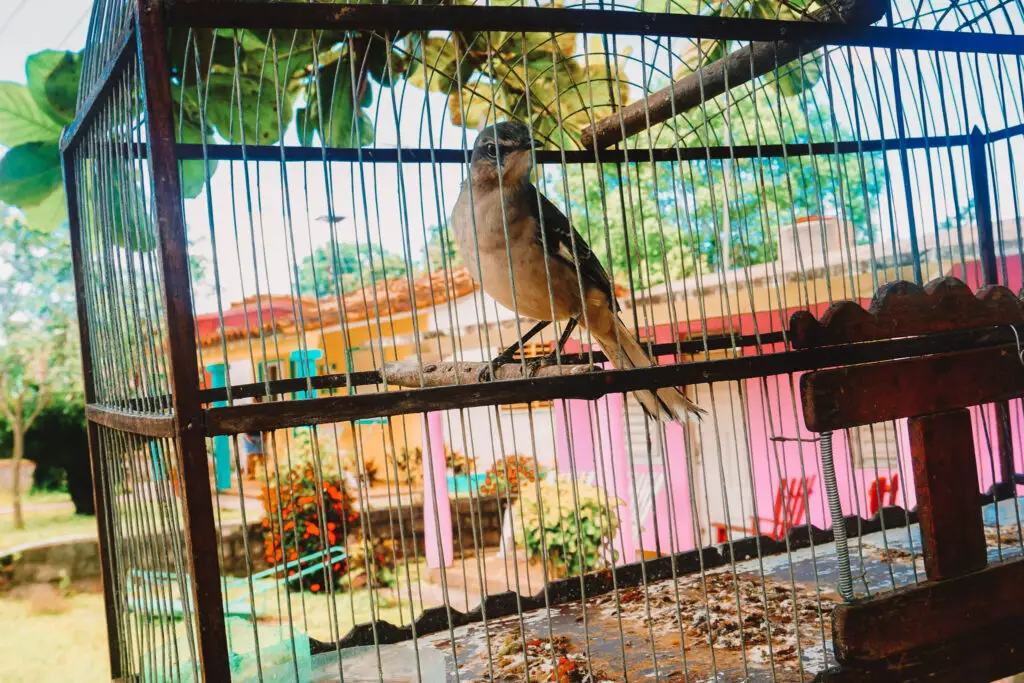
(19, 453)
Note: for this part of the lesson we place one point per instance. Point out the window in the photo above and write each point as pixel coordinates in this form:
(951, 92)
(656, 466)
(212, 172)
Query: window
(875, 441)
(270, 371)
(638, 426)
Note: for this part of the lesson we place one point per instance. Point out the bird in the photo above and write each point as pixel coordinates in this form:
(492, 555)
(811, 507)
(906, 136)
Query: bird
(497, 199)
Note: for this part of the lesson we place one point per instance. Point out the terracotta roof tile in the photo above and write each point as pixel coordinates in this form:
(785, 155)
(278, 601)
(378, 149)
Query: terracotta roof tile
(387, 298)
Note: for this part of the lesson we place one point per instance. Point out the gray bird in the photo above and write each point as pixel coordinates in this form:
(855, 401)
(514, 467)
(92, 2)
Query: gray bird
(537, 231)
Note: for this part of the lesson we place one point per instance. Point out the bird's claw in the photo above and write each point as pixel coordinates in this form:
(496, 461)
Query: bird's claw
(533, 365)
(487, 372)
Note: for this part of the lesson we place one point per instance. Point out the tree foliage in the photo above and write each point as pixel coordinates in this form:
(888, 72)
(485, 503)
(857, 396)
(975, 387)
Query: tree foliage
(668, 220)
(38, 349)
(348, 264)
(251, 86)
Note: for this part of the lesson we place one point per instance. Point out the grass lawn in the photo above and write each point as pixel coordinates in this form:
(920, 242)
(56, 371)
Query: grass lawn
(71, 645)
(43, 525)
(35, 498)
(52, 519)
(54, 516)
(45, 648)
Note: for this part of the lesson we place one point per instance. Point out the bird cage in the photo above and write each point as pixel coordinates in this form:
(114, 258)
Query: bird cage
(331, 442)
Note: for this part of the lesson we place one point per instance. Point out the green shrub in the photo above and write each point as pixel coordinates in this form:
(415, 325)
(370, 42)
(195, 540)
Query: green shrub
(577, 532)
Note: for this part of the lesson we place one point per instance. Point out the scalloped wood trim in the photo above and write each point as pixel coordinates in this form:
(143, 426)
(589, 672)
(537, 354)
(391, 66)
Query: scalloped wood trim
(903, 309)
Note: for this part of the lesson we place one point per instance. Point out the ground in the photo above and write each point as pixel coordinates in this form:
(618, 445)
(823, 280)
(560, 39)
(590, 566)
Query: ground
(56, 639)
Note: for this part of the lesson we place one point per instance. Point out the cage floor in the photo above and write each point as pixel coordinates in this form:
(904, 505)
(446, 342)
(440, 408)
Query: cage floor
(678, 629)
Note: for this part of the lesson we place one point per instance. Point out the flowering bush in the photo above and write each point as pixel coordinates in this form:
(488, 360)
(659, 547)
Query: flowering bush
(298, 524)
(456, 462)
(577, 532)
(508, 474)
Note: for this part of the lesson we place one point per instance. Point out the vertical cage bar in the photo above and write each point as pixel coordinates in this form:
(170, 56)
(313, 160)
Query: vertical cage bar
(978, 147)
(89, 382)
(201, 531)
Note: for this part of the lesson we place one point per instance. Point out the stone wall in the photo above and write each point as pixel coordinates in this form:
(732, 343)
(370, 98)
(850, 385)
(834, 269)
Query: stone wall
(77, 557)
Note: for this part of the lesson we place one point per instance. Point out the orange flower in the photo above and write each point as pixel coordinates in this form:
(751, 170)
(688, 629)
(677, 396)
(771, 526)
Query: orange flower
(315, 587)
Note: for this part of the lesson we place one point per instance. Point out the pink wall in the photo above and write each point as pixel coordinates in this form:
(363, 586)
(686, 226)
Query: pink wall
(437, 511)
(592, 445)
(590, 440)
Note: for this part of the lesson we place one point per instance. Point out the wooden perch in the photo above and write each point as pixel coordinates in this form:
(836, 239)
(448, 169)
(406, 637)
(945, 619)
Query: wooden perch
(741, 66)
(410, 374)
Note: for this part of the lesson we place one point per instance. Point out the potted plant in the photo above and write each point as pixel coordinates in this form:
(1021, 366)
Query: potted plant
(570, 525)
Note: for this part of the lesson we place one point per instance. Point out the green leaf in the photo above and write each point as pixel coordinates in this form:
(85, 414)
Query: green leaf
(61, 87)
(38, 68)
(255, 109)
(21, 119)
(433, 64)
(672, 6)
(335, 83)
(193, 173)
(29, 173)
(793, 80)
(48, 214)
(124, 215)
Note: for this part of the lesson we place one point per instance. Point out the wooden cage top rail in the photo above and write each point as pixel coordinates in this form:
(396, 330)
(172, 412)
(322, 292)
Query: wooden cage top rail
(402, 18)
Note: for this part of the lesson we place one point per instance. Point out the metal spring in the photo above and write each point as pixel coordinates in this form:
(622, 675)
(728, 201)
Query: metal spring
(838, 523)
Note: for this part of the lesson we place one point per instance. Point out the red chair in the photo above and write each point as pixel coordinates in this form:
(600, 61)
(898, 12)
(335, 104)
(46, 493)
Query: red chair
(789, 511)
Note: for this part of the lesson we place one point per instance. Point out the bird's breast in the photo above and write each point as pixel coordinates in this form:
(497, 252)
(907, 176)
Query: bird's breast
(503, 254)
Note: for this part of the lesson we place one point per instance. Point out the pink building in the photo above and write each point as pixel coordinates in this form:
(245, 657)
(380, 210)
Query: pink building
(750, 466)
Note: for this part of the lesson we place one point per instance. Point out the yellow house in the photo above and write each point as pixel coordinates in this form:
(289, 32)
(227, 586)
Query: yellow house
(276, 337)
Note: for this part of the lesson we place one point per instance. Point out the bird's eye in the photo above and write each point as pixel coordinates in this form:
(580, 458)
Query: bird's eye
(492, 151)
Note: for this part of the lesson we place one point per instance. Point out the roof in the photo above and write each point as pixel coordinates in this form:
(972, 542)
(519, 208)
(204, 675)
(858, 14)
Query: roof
(276, 312)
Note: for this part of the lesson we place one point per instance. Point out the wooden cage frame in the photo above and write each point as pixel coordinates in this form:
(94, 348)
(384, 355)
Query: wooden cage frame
(195, 418)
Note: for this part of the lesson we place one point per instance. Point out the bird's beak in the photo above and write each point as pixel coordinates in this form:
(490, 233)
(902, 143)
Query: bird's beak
(537, 144)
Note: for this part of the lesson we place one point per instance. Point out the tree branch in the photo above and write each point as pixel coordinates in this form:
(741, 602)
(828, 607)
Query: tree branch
(4, 407)
(42, 399)
(745, 64)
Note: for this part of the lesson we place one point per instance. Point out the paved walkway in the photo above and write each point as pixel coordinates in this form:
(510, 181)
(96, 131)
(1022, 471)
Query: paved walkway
(40, 507)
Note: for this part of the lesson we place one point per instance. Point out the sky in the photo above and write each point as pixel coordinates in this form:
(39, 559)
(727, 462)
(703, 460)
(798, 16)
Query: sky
(28, 26)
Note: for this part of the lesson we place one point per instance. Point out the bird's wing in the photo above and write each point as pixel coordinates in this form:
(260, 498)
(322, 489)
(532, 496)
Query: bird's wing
(565, 242)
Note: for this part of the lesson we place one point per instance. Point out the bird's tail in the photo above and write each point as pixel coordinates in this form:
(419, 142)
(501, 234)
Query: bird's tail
(667, 404)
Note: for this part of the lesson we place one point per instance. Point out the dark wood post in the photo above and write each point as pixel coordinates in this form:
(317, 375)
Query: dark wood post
(945, 472)
(201, 531)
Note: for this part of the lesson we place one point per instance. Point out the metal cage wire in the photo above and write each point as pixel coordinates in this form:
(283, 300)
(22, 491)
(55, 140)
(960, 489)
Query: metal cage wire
(269, 291)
